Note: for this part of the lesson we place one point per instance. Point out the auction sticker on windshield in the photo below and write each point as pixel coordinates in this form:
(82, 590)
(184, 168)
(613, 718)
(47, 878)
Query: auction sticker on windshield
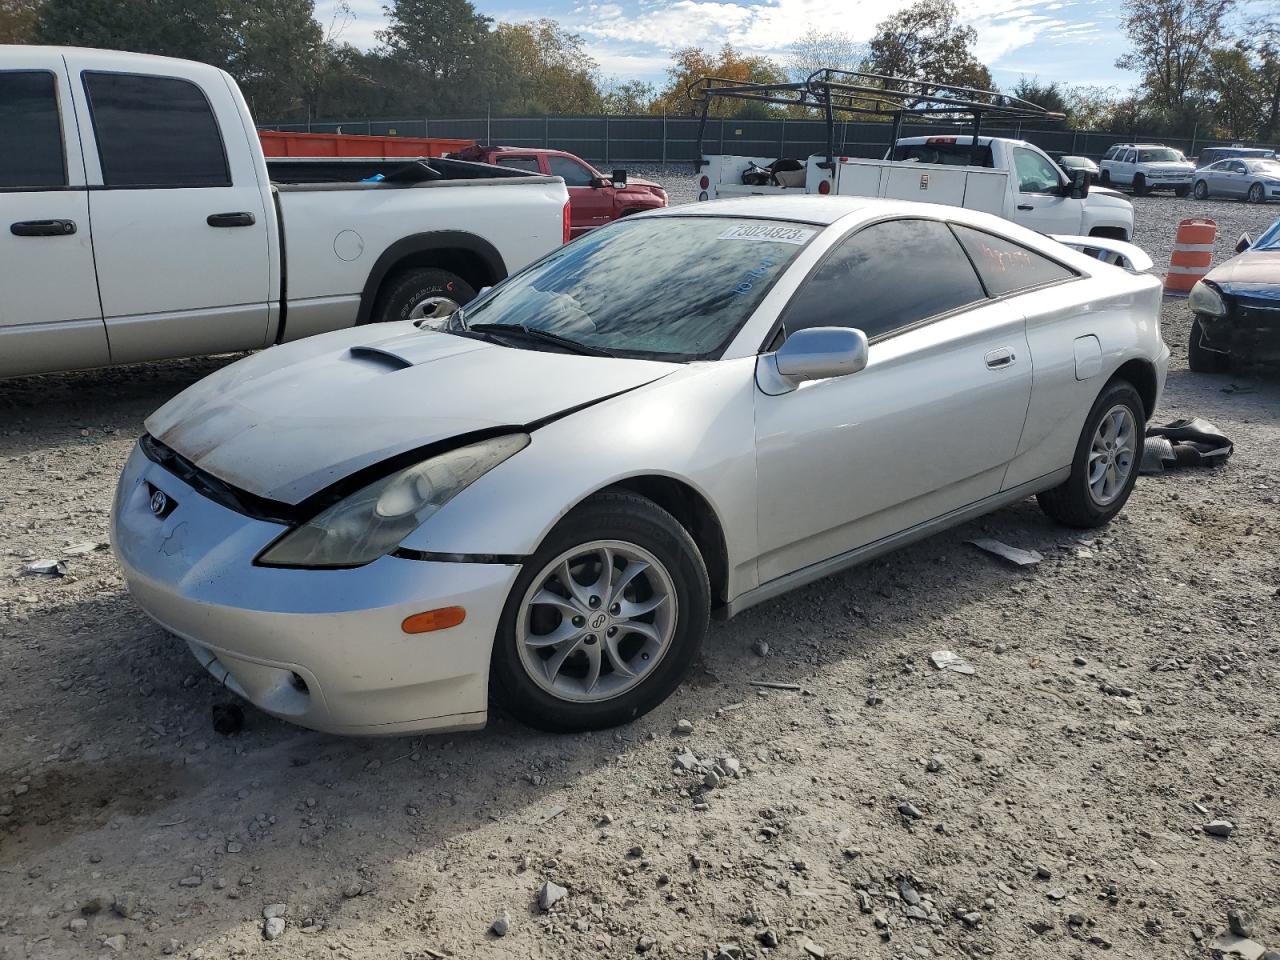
(776, 232)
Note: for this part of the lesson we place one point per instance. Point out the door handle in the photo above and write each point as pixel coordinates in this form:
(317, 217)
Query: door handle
(1026, 206)
(43, 228)
(230, 220)
(1003, 357)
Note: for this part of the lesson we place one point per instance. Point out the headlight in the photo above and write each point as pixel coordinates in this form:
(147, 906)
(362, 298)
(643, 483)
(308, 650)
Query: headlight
(1204, 299)
(372, 521)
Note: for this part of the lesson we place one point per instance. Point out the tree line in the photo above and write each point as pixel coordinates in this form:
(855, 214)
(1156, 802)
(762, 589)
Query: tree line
(1205, 66)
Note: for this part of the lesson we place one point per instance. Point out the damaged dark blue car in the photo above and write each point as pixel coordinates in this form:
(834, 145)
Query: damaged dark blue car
(1237, 308)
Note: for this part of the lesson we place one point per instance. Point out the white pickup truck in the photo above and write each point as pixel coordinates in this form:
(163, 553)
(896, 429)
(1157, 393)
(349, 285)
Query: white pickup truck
(1010, 178)
(141, 220)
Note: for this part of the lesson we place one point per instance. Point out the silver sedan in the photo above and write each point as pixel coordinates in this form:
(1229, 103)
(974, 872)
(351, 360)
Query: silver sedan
(1254, 179)
(675, 417)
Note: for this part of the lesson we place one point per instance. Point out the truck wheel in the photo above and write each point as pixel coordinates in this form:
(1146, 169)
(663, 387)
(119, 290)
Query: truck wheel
(1181, 191)
(1105, 467)
(1200, 358)
(1140, 188)
(1201, 190)
(418, 293)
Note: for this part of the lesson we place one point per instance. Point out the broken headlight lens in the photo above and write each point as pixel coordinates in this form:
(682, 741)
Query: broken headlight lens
(1204, 299)
(372, 521)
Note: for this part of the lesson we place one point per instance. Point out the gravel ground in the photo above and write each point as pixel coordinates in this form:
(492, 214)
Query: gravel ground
(1052, 804)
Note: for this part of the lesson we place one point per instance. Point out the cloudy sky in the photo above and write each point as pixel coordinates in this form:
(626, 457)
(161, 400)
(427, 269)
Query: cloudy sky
(1074, 41)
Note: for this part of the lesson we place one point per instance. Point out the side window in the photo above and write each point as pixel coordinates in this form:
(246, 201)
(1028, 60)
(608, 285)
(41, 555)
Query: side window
(520, 163)
(31, 151)
(1238, 167)
(155, 132)
(1007, 267)
(886, 277)
(1111, 153)
(574, 173)
(1130, 156)
(1036, 174)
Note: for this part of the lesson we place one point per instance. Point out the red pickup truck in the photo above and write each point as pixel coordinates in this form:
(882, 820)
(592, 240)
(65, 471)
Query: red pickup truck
(595, 199)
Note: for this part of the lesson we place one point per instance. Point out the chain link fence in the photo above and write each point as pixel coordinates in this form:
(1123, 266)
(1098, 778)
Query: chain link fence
(647, 139)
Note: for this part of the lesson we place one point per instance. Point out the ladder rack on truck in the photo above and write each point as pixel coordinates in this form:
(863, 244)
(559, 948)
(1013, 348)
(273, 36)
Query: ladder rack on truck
(858, 93)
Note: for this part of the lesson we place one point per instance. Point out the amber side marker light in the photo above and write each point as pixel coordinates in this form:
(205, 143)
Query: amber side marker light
(429, 620)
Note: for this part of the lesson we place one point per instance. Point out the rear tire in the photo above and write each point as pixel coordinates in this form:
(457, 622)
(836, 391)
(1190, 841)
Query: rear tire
(1200, 358)
(1083, 499)
(418, 292)
(1106, 178)
(1140, 188)
(567, 695)
(1201, 190)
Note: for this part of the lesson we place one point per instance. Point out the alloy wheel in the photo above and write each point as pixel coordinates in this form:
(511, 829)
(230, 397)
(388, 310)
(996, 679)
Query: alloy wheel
(1113, 454)
(433, 308)
(596, 621)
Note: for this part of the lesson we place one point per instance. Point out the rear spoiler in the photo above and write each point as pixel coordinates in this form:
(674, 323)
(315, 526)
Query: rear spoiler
(1115, 252)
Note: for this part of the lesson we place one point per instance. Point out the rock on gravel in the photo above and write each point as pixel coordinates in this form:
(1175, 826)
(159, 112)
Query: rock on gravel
(550, 894)
(273, 928)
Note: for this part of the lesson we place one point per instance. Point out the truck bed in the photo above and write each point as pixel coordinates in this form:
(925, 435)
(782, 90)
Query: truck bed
(399, 170)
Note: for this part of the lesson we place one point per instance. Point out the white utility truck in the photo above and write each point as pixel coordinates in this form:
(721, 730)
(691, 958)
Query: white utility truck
(1010, 178)
(141, 220)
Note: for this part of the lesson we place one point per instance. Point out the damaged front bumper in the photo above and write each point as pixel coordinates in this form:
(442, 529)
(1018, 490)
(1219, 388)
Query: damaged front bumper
(321, 648)
(1248, 332)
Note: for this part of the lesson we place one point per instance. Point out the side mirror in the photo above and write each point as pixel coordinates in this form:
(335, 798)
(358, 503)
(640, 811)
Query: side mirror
(619, 178)
(1244, 243)
(1079, 184)
(817, 353)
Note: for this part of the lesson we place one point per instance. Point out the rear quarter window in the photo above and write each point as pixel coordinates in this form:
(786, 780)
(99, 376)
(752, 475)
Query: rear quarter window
(1007, 267)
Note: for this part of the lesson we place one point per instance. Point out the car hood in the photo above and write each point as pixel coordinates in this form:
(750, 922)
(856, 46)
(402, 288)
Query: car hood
(1254, 272)
(1106, 197)
(643, 183)
(287, 422)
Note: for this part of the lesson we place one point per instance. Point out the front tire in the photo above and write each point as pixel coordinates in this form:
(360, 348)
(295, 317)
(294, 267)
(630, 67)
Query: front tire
(1256, 194)
(1105, 466)
(421, 293)
(1140, 188)
(1199, 357)
(1181, 192)
(604, 620)
(1201, 190)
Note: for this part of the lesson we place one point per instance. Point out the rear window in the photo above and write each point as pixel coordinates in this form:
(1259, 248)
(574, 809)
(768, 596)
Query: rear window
(1007, 267)
(520, 163)
(947, 154)
(31, 154)
(155, 132)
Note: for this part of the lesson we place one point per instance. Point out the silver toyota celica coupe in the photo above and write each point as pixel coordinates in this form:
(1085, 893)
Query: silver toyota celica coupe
(542, 499)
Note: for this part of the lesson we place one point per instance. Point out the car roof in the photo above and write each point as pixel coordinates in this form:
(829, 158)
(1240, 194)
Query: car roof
(101, 55)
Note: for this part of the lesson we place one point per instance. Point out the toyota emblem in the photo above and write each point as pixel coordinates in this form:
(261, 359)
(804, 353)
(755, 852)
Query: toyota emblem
(159, 503)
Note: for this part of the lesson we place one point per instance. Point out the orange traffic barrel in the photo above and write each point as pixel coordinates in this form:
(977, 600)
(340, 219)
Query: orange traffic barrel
(1192, 255)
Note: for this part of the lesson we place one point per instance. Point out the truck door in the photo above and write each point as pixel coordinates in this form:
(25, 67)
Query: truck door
(50, 318)
(179, 216)
(592, 204)
(1040, 203)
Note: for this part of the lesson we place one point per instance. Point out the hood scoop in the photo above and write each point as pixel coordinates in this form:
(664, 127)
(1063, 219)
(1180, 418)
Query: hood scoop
(385, 358)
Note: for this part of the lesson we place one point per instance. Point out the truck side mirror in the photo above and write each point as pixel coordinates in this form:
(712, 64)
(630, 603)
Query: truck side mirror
(619, 178)
(1079, 184)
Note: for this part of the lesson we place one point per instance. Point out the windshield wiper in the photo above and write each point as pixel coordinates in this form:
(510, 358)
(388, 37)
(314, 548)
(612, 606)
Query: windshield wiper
(543, 336)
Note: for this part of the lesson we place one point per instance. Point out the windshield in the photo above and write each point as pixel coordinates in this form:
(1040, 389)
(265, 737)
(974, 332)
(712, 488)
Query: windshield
(1159, 155)
(1270, 167)
(669, 288)
(1270, 240)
